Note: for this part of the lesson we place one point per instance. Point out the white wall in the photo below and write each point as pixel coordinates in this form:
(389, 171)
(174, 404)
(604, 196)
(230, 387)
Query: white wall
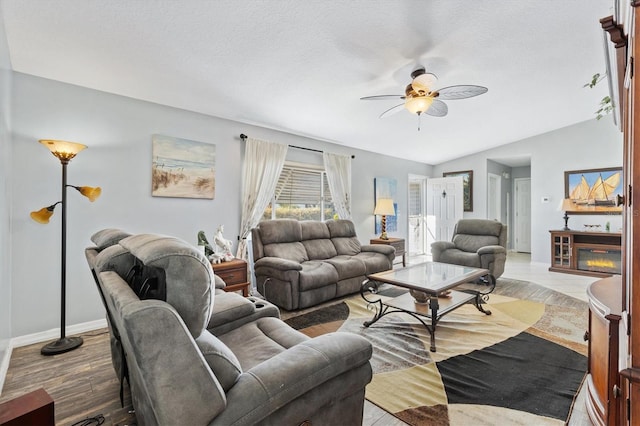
(118, 133)
(586, 145)
(5, 195)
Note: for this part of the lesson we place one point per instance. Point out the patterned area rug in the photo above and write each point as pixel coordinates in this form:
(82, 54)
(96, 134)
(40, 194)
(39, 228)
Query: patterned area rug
(523, 364)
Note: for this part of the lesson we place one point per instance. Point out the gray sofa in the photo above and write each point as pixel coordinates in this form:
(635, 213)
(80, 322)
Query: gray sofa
(479, 243)
(160, 297)
(298, 264)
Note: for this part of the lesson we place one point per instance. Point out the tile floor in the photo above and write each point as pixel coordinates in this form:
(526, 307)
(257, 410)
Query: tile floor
(519, 267)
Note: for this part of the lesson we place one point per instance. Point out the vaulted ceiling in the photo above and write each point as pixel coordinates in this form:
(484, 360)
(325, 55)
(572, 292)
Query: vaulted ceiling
(302, 66)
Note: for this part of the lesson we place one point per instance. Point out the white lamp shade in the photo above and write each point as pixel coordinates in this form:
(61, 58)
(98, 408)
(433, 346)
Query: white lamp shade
(384, 207)
(418, 104)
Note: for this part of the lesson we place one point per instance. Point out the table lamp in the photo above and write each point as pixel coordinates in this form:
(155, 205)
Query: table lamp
(384, 208)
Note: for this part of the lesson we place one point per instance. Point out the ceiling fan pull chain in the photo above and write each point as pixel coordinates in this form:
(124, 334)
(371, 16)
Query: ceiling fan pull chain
(419, 121)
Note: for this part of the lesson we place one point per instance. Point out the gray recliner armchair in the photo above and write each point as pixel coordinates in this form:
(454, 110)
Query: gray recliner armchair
(159, 293)
(479, 243)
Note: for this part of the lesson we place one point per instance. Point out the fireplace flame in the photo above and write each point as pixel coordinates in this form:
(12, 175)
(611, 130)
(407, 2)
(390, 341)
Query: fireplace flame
(600, 263)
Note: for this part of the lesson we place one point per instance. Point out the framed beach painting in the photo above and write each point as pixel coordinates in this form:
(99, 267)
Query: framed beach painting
(593, 191)
(183, 168)
(467, 187)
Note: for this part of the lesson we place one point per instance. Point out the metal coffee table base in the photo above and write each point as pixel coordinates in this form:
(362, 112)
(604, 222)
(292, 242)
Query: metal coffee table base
(435, 308)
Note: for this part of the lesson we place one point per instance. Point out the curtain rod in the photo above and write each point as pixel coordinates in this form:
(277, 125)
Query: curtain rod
(244, 137)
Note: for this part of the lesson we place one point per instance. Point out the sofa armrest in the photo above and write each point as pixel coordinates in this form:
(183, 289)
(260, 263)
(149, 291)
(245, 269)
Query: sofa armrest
(231, 311)
(438, 247)
(491, 250)
(219, 282)
(379, 248)
(282, 379)
(277, 263)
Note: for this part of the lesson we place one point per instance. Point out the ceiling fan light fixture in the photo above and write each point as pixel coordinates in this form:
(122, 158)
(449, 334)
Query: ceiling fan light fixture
(418, 104)
(424, 82)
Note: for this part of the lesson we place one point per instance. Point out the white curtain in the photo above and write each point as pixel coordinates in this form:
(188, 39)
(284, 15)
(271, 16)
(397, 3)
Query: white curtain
(338, 168)
(263, 163)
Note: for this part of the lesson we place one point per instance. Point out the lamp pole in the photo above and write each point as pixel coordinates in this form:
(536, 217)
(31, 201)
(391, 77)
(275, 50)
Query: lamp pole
(63, 344)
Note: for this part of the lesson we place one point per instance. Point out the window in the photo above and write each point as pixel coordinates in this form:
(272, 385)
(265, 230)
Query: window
(302, 193)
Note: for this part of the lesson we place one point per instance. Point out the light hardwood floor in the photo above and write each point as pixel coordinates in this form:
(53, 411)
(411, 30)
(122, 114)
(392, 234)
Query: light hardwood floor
(83, 382)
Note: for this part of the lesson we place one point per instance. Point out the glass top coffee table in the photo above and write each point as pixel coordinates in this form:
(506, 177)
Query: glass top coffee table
(435, 289)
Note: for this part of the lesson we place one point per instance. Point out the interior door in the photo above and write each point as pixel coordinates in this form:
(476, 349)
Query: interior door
(494, 197)
(522, 219)
(417, 241)
(445, 207)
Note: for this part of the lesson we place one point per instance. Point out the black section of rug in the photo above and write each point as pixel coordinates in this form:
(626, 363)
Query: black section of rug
(338, 312)
(508, 374)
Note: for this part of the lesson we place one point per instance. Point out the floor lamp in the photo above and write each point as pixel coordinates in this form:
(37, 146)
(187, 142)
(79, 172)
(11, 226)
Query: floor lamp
(64, 151)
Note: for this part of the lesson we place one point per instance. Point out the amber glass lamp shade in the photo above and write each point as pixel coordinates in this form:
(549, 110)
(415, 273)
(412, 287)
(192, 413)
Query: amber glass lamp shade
(90, 192)
(63, 150)
(43, 215)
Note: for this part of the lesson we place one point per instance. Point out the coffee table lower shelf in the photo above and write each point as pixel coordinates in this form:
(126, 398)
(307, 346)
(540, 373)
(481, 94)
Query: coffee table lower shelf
(434, 309)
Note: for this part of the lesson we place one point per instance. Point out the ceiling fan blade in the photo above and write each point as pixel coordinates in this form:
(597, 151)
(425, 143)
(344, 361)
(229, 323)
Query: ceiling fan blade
(381, 97)
(392, 111)
(460, 92)
(437, 109)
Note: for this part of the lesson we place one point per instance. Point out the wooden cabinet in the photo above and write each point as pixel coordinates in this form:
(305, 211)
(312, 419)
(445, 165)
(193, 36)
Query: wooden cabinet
(605, 301)
(560, 250)
(234, 274)
(397, 243)
(597, 254)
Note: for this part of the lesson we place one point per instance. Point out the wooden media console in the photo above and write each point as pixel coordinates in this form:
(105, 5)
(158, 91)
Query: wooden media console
(597, 254)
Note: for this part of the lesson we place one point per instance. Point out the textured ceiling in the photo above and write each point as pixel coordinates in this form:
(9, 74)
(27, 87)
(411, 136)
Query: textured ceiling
(301, 66)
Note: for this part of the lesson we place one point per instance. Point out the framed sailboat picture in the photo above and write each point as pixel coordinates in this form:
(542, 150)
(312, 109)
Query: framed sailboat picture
(593, 191)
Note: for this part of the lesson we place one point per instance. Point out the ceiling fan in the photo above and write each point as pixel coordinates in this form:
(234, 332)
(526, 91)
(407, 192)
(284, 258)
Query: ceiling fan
(420, 96)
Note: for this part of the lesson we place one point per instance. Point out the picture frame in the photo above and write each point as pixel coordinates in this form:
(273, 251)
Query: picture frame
(182, 168)
(467, 187)
(593, 191)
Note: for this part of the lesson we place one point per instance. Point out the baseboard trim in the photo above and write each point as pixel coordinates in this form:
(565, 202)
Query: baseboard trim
(54, 333)
(4, 365)
(43, 336)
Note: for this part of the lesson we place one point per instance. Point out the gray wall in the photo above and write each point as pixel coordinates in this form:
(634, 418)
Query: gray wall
(5, 193)
(586, 145)
(118, 133)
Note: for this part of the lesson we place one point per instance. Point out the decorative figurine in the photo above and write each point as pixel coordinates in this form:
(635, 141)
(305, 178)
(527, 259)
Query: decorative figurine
(224, 244)
(202, 241)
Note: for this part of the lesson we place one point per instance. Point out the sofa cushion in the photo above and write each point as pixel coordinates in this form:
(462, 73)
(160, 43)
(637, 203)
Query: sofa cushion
(221, 360)
(316, 240)
(374, 262)
(459, 257)
(478, 227)
(348, 246)
(108, 237)
(347, 266)
(472, 243)
(319, 249)
(314, 230)
(316, 274)
(294, 251)
(280, 231)
(261, 340)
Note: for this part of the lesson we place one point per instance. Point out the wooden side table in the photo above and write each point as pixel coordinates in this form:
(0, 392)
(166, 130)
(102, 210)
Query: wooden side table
(33, 408)
(234, 274)
(397, 243)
